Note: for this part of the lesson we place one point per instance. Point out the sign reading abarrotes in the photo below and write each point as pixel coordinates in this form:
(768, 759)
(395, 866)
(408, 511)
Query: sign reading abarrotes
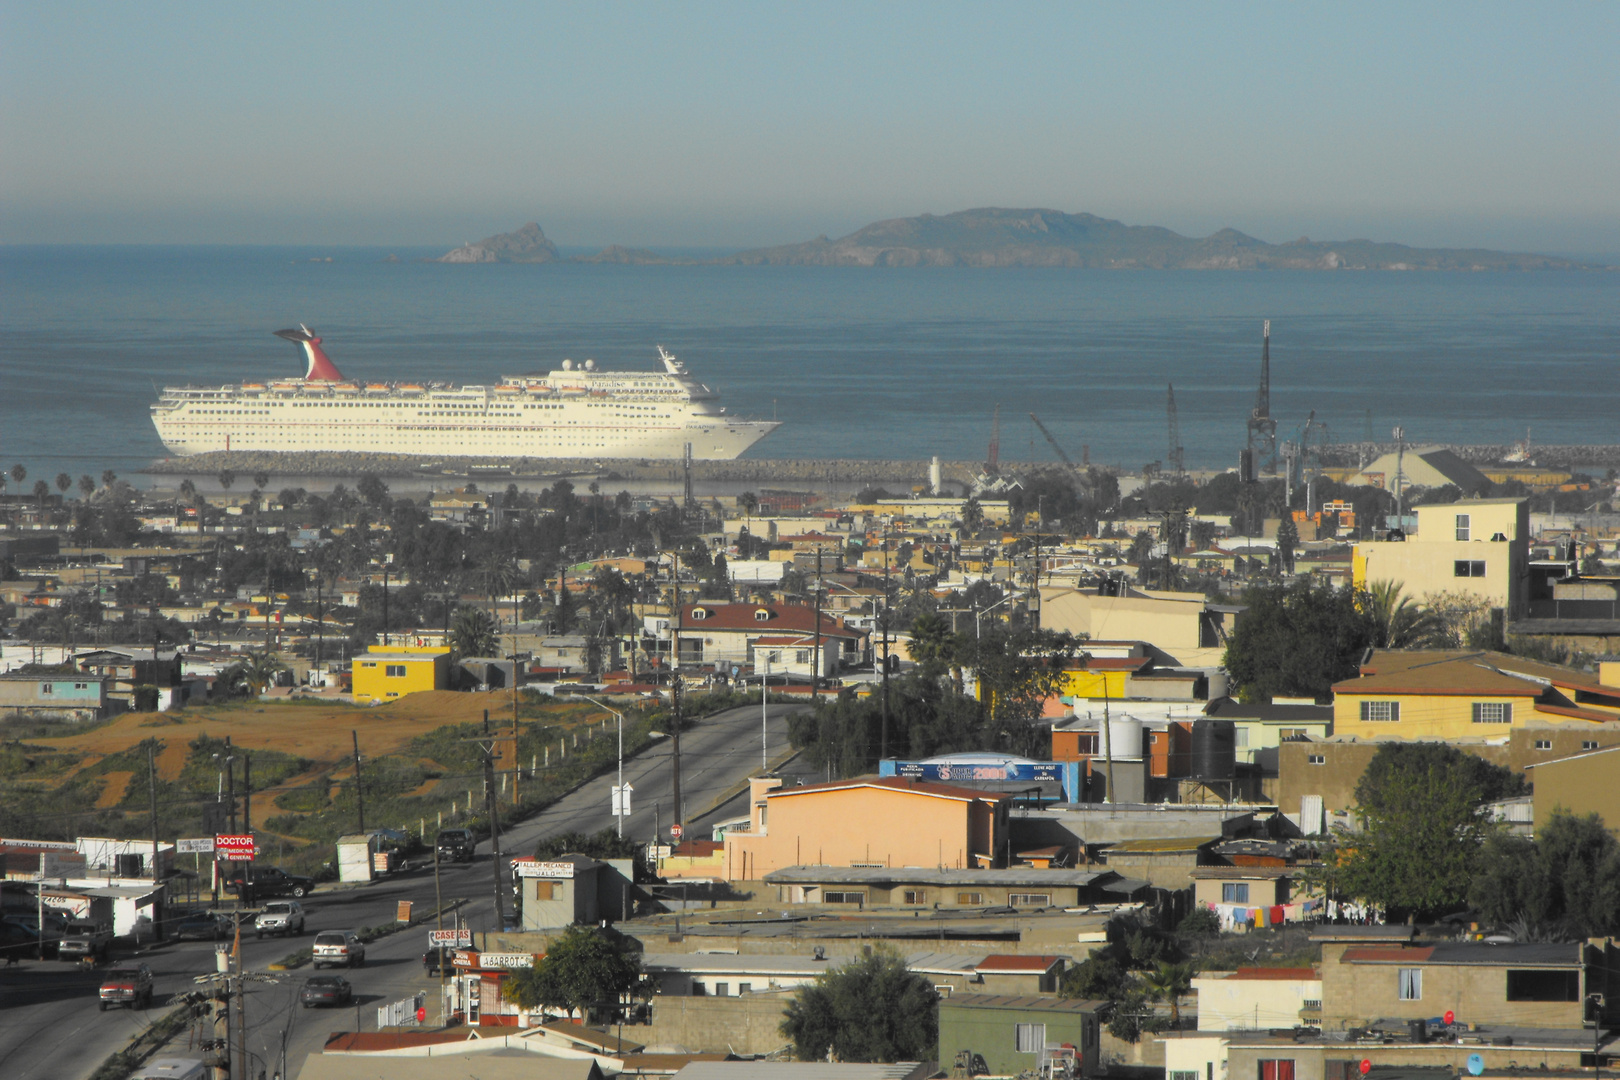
(544, 869)
(473, 959)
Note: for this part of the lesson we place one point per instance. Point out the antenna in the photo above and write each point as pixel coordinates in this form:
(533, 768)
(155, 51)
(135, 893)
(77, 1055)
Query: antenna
(992, 464)
(1177, 457)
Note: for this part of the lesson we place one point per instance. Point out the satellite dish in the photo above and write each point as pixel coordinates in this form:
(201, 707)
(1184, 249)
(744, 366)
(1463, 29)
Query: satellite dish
(1476, 1064)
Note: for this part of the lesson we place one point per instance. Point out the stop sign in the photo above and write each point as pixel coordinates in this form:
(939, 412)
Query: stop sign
(676, 831)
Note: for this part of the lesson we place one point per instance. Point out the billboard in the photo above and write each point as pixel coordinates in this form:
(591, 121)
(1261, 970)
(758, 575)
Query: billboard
(202, 845)
(946, 771)
(235, 848)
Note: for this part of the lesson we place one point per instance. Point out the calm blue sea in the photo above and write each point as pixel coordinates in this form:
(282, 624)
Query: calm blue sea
(857, 363)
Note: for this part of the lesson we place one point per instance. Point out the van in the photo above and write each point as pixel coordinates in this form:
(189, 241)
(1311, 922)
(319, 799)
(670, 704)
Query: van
(171, 1069)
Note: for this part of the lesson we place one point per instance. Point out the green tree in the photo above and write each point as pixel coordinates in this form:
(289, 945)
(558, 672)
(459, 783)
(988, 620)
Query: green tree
(1296, 640)
(1171, 983)
(972, 516)
(1423, 824)
(474, 633)
(18, 473)
(252, 675)
(606, 844)
(261, 480)
(42, 491)
(108, 477)
(371, 488)
(87, 486)
(870, 1009)
(1566, 881)
(588, 970)
(1287, 541)
(226, 478)
(1398, 623)
(63, 482)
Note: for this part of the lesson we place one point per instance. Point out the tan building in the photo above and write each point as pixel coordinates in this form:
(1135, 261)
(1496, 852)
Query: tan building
(1258, 998)
(1479, 548)
(1183, 628)
(1587, 783)
(1422, 467)
(868, 821)
(1460, 694)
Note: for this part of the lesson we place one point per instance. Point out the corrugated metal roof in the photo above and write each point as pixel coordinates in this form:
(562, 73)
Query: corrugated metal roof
(1161, 845)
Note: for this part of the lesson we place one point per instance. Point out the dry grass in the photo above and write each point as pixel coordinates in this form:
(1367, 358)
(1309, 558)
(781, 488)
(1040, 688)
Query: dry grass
(116, 788)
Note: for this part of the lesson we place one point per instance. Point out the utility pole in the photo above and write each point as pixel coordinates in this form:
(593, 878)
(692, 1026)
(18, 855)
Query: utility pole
(151, 787)
(230, 781)
(883, 742)
(320, 627)
(438, 904)
(675, 688)
(815, 675)
(487, 744)
(247, 793)
(359, 790)
(385, 605)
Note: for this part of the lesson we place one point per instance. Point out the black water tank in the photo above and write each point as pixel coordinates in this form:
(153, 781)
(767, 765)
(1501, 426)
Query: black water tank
(1419, 1030)
(130, 866)
(1214, 750)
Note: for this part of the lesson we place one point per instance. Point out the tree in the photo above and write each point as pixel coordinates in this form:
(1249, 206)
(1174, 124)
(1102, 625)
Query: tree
(1423, 824)
(261, 480)
(1297, 640)
(1169, 982)
(587, 970)
(188, 490)
(226, 478)
(108, 477)
(372, 489)
(63, 482)
(1287, 541)
(42, 491)
(1566, 882)
(252, 675)
(871, 1009)
(474, 633)
(606, 844)
(972, 516)
(18, 473)
(87, 486)
(1396, 622)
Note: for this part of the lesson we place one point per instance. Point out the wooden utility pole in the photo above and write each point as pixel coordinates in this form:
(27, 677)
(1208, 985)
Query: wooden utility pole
(675, 688)
(488, 746)
(815, 674)
(359, 790)
(883, 744)
(247, 793)
(230, 782)
(151, 787)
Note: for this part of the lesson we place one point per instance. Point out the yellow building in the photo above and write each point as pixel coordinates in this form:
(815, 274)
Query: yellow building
(1462, 694)
(386, 672)
(1480, 548)
(1183, 628)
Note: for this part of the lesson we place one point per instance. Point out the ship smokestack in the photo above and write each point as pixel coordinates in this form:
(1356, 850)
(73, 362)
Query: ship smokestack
(320, 368)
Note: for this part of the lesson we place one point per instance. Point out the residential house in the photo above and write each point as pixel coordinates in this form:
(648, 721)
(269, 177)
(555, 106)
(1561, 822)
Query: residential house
(867, 821)
(724, 635)
(1183, 629)
(1587, 783)
(1010, 1035)
(1257, 896)
(1479, 548)
(385, 672)
(54, 696)
(1258, 998)
(949, 888)
(1258, 729)
(1167, 862)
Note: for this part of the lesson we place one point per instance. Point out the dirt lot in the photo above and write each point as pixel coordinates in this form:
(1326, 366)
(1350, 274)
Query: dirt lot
(319, 732)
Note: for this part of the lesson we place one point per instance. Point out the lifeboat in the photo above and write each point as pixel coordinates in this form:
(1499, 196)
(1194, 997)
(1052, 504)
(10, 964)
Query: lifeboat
(539, 388)
(509, 389)
(410, 388)
(346, 388)
(252, 386)
(376, 388)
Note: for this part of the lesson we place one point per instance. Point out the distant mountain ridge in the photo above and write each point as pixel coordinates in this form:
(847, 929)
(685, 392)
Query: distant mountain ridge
(995, 237)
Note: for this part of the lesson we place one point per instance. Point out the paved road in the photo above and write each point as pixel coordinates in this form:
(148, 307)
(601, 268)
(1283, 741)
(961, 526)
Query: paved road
(51, 1027)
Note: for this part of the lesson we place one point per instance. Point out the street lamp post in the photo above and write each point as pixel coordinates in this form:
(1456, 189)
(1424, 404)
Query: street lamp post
(621, 796)
(764, 716)
(978, 615)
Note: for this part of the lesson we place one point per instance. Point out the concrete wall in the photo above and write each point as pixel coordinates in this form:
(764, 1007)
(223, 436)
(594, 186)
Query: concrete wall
(1582, 785)
(1357, 993)
(1243, 1004)
(693, 1025)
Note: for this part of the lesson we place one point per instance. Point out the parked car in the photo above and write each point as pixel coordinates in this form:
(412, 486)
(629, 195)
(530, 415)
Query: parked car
(280, 917)
(172, 1068)
(86, 939)
(325, 990)
(430, 961)
(338, 948)
(201, 926)
(457, 845)
(260, 882)
(127, 984)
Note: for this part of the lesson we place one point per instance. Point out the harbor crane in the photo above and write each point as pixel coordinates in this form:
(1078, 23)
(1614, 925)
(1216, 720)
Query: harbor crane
(1082, 475)
(992, 463)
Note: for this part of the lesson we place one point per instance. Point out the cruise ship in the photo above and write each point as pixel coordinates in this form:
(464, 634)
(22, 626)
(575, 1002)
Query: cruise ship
(578, 411)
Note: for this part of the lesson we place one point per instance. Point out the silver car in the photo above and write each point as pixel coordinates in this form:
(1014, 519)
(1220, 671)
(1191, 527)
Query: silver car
(282, 917)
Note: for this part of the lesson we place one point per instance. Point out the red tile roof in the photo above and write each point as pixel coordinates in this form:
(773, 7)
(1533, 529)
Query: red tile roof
(1279, 974)
(1008, 964)
(893, 783)
(781, 619)
(1375, 955)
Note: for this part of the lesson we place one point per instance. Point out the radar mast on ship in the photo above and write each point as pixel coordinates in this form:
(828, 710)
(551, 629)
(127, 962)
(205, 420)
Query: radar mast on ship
(671, 365)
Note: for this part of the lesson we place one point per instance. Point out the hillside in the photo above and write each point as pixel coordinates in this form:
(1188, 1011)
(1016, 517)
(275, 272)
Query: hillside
(997, 237)
(526, 245)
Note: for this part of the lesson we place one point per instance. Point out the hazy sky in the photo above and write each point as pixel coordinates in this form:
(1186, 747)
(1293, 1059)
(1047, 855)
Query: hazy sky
(696, 124)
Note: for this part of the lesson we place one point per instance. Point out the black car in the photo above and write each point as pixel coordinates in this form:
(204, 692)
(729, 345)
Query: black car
(325, 990)
(457, 845)
(202, 926)
(262, 882)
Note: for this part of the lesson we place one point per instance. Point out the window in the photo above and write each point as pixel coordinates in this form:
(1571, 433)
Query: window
(1543, 985)
(700, 613)
(545, 890)
(46, 688)
(1313, 1004)
(1029, 1038)
(1409, 983)
(1292, 733)
(1462, 527)
(394, 671)
(1235, 892)
(1588, 744)
(699, 990)
(745, 988)
(1466, 568)
(1381, 712)
(1029, 899)
(1277, 1069)
(1190, 1074)
(81, 686)
(1315, 759)
(971, 899)
(916, 896)
(802, 656)
(1240, 737)
(1493, 712)
(722, 989)
(761, 614)
(857, 896)
(1543, 744)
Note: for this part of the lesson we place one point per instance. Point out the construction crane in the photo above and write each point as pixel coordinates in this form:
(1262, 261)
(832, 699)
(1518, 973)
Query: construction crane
(992, 463)
(1262, 428)
(1049, 438)
(1178, 455)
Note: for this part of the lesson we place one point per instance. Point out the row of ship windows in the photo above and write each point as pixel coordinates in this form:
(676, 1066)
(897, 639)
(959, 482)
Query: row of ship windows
(438, 410)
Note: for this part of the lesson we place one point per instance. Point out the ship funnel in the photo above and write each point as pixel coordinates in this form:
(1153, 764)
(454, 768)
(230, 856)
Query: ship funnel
(320, 368)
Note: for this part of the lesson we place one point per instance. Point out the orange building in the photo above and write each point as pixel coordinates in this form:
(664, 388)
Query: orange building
(867, 821)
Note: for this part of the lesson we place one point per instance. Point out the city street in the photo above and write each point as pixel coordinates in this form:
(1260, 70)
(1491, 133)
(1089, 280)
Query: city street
(51, 1027)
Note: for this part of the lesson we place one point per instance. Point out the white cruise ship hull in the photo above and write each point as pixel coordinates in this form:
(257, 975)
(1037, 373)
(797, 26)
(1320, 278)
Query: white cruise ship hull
(567, 413)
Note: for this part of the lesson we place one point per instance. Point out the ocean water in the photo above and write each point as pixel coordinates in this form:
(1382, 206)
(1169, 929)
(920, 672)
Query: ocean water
(856, 363)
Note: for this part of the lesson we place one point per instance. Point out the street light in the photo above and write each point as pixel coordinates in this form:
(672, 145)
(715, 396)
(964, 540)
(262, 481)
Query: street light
(621, 794)
(764, 716)
(980, 613)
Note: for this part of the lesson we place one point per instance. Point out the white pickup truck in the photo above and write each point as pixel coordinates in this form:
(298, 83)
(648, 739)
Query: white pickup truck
(338, 948)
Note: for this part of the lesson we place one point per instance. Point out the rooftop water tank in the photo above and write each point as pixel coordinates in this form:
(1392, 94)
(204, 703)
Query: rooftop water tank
(1214, 750)
(1124, 738)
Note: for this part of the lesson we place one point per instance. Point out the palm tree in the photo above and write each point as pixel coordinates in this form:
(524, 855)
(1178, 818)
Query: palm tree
(226, 478)
(87, 486)
(188, 490)
(253, 674)
(42, 491)
(18, 473)
(107, 478)
(1398, 623)
(474, 633)
(63, 482)
(1169, 982)
(261, 480)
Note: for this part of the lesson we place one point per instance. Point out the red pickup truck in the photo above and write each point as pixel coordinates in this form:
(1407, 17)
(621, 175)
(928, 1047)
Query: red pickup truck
(127, 984)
